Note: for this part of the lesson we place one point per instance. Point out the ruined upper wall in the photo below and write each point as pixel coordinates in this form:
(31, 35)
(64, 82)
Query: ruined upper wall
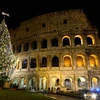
(55, 21)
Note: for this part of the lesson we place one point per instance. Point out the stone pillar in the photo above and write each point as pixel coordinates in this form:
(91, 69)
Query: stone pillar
(87, 51)
(27, 81)
(73, 59)
(75, 82)
(38, 62)
(49, 44)
(60, 44)
(60, 61)
(72, 39)
(48, 61)
(87, 62)
(85, 41)
(28, 64)
(19, 81)
(20, 66)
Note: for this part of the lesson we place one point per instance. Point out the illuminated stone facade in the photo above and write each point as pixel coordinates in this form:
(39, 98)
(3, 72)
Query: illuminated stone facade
(56, 50)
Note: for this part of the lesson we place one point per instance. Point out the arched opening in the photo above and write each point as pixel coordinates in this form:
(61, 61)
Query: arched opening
(26, 46)
(94, 82)
(54, 42)
(90, 40)
(18, 49)
(43, 83)
(23, 83)
(34, 45)
(93, 60)
(66, 41)
(78, 40)
(33, 63)
(44, 62)
(24, 64)
(80, 61)
(44, 43)
(30, 83)
(68, 83)
(55, 62)
(67, 61)
(82, 83)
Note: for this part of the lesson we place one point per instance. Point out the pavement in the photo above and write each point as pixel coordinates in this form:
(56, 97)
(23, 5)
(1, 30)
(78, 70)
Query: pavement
(61, 97)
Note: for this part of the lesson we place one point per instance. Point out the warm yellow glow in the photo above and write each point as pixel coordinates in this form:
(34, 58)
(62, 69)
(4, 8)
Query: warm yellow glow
(80, 60)
(94, 82)
(67, 61)
(79, 36)
(53, 81)
(93, 39)
(68, 38)
(93, 60)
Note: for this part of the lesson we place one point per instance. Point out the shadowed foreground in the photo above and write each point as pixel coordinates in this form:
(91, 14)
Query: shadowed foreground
(21, 95)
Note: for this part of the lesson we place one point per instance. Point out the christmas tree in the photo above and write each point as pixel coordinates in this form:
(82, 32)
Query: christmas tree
(7, 58)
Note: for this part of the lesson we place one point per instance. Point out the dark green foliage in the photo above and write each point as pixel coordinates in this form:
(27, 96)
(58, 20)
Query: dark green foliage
(3, 79)
(7, 58)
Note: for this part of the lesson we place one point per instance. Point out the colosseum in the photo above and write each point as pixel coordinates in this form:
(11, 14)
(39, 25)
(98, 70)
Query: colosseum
(57, 50)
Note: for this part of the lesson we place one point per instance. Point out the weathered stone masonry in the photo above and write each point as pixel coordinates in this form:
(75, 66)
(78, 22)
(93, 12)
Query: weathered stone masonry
(57, 50)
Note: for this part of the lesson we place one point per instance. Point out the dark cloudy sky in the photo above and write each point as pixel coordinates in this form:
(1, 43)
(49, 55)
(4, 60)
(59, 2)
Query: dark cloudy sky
(25, 9)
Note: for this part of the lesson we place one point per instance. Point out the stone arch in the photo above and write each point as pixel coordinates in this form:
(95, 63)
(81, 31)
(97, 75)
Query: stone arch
(22, 83)
(55, 61)
(66, 41)
(44, 43)
(54, 42)
(24, 63)
(33, 63)
(90, 40)
(80, 60)
(34, 45)
(16, 81)
(26, 46)
(43, 83)
(55, 82)
(93, 60)
(78, 40)
(67, 61)
(81, 83)
(18, 48)
(95, 82)
(44, 62)
(32, 83)
(68, 83)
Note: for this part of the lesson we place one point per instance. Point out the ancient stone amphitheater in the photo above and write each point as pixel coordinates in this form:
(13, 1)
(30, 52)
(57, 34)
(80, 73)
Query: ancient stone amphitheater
(56, 51)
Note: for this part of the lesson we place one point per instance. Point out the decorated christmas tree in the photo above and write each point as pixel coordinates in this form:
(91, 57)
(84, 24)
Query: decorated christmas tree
(7, 58)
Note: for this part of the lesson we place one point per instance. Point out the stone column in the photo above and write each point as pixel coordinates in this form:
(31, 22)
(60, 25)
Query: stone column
(73, 59)
(75, 82)
(27, 81)
(87, 59)
(60, 61)
(48, 61)
(38, 62)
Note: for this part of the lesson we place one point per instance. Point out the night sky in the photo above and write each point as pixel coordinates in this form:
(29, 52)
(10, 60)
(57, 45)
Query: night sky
(20, 11)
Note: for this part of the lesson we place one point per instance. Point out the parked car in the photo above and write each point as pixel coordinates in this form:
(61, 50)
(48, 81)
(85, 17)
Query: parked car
(92, 95)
